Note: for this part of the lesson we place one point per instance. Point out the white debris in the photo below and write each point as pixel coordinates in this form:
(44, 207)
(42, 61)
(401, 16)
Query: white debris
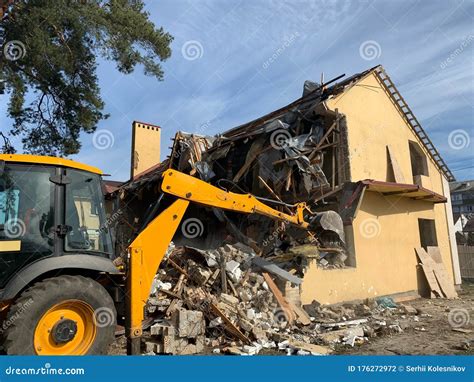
(157, 285)
(303, 352)
(251, 314)
(232, 268)
(215, 322)
(283, 345)
(164, 286)
(250, 350)
(211, 259)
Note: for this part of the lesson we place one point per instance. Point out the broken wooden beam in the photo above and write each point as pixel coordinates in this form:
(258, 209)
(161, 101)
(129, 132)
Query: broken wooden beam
(229, 325)
(284, 305)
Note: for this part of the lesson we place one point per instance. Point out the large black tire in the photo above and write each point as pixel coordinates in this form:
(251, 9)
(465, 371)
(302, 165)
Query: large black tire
(27, 311)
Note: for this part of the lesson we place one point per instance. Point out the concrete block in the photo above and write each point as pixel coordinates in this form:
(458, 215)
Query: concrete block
(164, 328)
(408, 309)
(200, 275)
(153, 347)
(211, 259)
(229, 299)
(189, 323)
(233, 270)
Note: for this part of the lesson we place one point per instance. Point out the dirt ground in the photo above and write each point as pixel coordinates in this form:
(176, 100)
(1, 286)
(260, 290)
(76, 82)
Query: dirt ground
(438, 318)
(432, 331)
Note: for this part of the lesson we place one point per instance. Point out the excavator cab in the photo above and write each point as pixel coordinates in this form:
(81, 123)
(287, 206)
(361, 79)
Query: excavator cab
(48, 210)
(53, 232)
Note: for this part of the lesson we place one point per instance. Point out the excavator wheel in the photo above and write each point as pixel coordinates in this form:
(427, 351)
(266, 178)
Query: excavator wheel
(64, 315)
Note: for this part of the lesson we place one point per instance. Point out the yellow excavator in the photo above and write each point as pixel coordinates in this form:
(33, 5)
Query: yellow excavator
(60, 289)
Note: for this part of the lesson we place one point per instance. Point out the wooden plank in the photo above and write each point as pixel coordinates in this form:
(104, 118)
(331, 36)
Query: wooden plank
(177, 267)
(358, 321)
(423, 256)
(435, 254)
(326, 195)
(462, 330)
(284, 305)
(313, 349)
(325, 136)
(230, 327)
(427, 264)
(288, 181)
(232, 287)
(178, 288)
(301, 316)
(333, 164)
(397, 171)
(223, 273)
(248, 163)
(444, 281)
(432, 282)
(340, 160)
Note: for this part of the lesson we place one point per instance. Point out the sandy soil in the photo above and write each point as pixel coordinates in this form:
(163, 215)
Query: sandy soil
(438, 336)
(429, 332)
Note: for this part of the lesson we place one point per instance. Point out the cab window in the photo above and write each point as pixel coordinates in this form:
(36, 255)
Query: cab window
(26, 205)
(85, 214)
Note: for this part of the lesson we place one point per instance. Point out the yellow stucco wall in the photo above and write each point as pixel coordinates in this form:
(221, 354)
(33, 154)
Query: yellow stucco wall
(373, 123)
(386, 227)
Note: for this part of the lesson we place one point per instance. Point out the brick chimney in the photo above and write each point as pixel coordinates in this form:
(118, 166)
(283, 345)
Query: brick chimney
(145, 153)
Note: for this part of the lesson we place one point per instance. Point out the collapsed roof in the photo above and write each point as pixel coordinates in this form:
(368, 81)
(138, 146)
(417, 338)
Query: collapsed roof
(297, 153)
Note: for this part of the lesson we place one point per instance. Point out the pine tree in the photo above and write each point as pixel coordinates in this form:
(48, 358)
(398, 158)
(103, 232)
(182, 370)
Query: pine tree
(48, 65)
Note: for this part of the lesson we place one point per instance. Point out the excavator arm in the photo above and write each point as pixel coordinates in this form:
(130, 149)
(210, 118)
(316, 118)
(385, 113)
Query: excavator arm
(195, 190)
(148, 249)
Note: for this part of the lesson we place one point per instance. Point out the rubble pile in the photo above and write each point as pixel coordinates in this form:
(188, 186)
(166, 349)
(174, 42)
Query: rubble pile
(229, 300)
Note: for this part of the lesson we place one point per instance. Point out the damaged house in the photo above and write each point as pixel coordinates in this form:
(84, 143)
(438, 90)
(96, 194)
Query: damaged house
(355, 153)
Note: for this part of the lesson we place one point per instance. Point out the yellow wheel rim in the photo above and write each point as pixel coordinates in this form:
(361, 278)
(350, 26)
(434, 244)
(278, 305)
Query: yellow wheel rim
(75, 313)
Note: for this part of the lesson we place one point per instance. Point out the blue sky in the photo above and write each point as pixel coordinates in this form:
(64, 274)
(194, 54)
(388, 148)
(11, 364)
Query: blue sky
(219, 75)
